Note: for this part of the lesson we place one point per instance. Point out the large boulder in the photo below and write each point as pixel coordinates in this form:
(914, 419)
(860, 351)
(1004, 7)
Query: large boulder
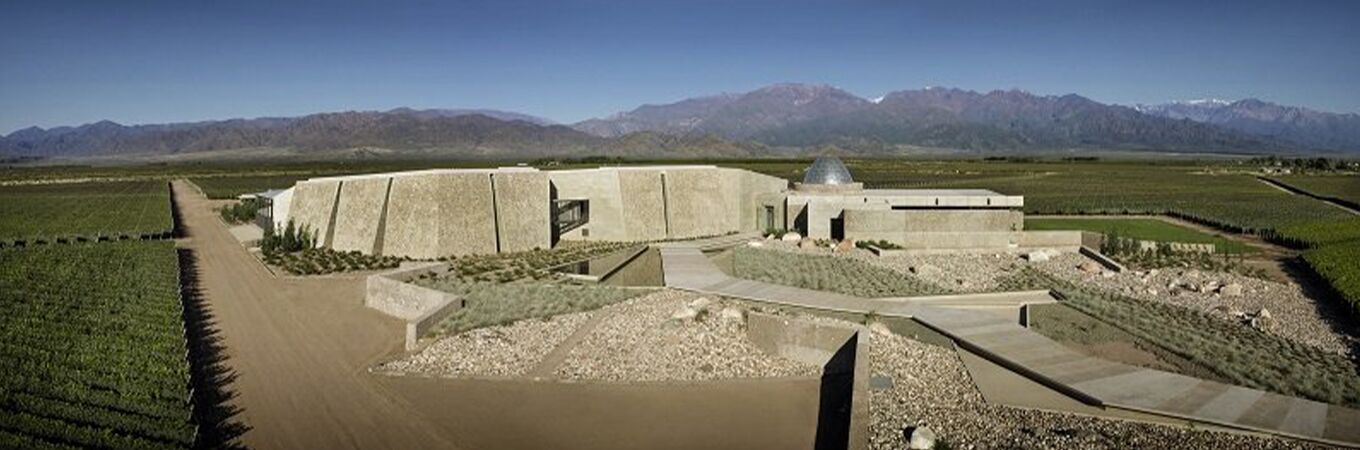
(1263, 320)
(685, 314)
(1230, 290)
(845, 246)
(731, 315)
(807, 243)
(922, 438)
(700, 303)
(1039, 256)
(791, 237)
(1091, 267)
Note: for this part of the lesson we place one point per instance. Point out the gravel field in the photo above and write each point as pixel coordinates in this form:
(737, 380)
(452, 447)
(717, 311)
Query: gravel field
(635, 340)
(500, 351)
(931, 387)
(1296, 316)
(642, 342)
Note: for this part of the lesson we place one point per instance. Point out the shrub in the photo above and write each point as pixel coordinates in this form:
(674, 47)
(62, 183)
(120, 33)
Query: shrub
(240, 212)
(826, 273)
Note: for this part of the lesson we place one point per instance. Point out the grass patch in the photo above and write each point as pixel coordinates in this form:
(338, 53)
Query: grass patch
(1141, 229)
(826, 273)
(491, 304)
(1238, 354)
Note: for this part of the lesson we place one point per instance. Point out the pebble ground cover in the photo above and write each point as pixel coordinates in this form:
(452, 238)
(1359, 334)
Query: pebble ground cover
(84, 209)
(93, 345)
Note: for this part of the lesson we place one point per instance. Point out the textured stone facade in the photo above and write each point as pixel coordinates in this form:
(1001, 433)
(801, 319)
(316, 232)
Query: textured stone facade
(358, 214)
(522, 211)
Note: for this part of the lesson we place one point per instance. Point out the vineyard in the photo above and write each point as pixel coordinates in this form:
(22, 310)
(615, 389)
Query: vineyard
(1344, 188)
(94, 347)
(1339, 264)
(229, 187)
(85, 210)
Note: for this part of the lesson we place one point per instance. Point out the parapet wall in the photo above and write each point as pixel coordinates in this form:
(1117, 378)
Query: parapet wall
(864, 221)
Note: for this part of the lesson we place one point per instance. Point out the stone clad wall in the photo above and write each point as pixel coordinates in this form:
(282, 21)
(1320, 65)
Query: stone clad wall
(466, 220)
(359, 213)
(312, 205)
(522, 211)
(601, 187)
(644, 215)
(919, 220)
(412, 217)
(697, 203)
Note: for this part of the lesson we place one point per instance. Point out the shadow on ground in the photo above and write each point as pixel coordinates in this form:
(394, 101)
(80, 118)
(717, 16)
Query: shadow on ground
(210, 377)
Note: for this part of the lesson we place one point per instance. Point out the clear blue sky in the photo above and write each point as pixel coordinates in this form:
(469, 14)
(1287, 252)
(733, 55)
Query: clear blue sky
(67, 62)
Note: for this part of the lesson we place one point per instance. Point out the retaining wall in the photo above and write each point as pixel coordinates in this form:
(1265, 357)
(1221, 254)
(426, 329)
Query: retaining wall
(843, 353)
(420, 307)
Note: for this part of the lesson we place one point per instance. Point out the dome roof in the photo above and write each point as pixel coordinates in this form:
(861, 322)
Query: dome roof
(827, 170)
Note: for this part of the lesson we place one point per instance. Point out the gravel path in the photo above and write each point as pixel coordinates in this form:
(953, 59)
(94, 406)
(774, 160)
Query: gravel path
(1296, 316)
(931, 387)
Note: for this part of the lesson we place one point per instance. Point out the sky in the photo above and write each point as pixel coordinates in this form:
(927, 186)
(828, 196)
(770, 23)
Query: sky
(73, 62)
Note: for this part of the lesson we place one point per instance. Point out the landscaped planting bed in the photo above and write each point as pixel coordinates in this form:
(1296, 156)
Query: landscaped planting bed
(320, 261)
(486, 304)
(826, 273)
(93, 345)
(87, 210)
(1238, 354)
(533, 264)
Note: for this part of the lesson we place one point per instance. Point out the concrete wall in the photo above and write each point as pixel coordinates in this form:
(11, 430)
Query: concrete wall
(466, 220)
(644, 211)
(522, 211)
(359, 214)
(312, 206)
(601, 187)
(859, 221)
(1059, 239)
(281, 207)
(420, 307)
(843, 354)
(412, 217)
(699, 202)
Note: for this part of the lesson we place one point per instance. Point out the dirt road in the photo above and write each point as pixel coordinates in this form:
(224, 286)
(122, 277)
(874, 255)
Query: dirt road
(301, 349)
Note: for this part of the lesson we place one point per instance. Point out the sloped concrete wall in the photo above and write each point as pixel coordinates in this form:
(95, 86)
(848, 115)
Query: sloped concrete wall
(843, 353)
(360, 211)
(644, 209)
(312, 205)
(601, 187)
(413, 217)
(522, 211)
(466, 214)
(697, 201)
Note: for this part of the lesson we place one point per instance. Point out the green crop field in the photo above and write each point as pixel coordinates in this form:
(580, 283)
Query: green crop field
(93, 347)
(84, 209)
(1342, 187)
(1143, 229)
(229, 187)
(1339, 264)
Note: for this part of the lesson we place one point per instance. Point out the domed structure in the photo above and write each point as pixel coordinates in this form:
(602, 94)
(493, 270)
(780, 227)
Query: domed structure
(827, 170)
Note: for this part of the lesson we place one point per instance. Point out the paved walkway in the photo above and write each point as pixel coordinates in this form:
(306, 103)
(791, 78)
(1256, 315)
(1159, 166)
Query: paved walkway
(1092, 380)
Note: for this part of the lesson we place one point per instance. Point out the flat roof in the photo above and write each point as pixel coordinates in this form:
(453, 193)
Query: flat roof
(903, 193)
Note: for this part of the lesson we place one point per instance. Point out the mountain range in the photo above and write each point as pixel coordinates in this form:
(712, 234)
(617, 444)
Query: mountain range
(1296, 125)
(777, 119)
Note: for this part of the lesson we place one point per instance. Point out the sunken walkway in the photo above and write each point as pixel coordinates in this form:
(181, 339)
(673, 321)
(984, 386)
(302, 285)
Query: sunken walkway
(1092, 380)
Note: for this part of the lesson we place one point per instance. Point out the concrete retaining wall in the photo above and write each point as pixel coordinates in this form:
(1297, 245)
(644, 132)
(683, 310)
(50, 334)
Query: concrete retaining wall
(843, 354)
(643, 208)
(420, 307)
(466, 219)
